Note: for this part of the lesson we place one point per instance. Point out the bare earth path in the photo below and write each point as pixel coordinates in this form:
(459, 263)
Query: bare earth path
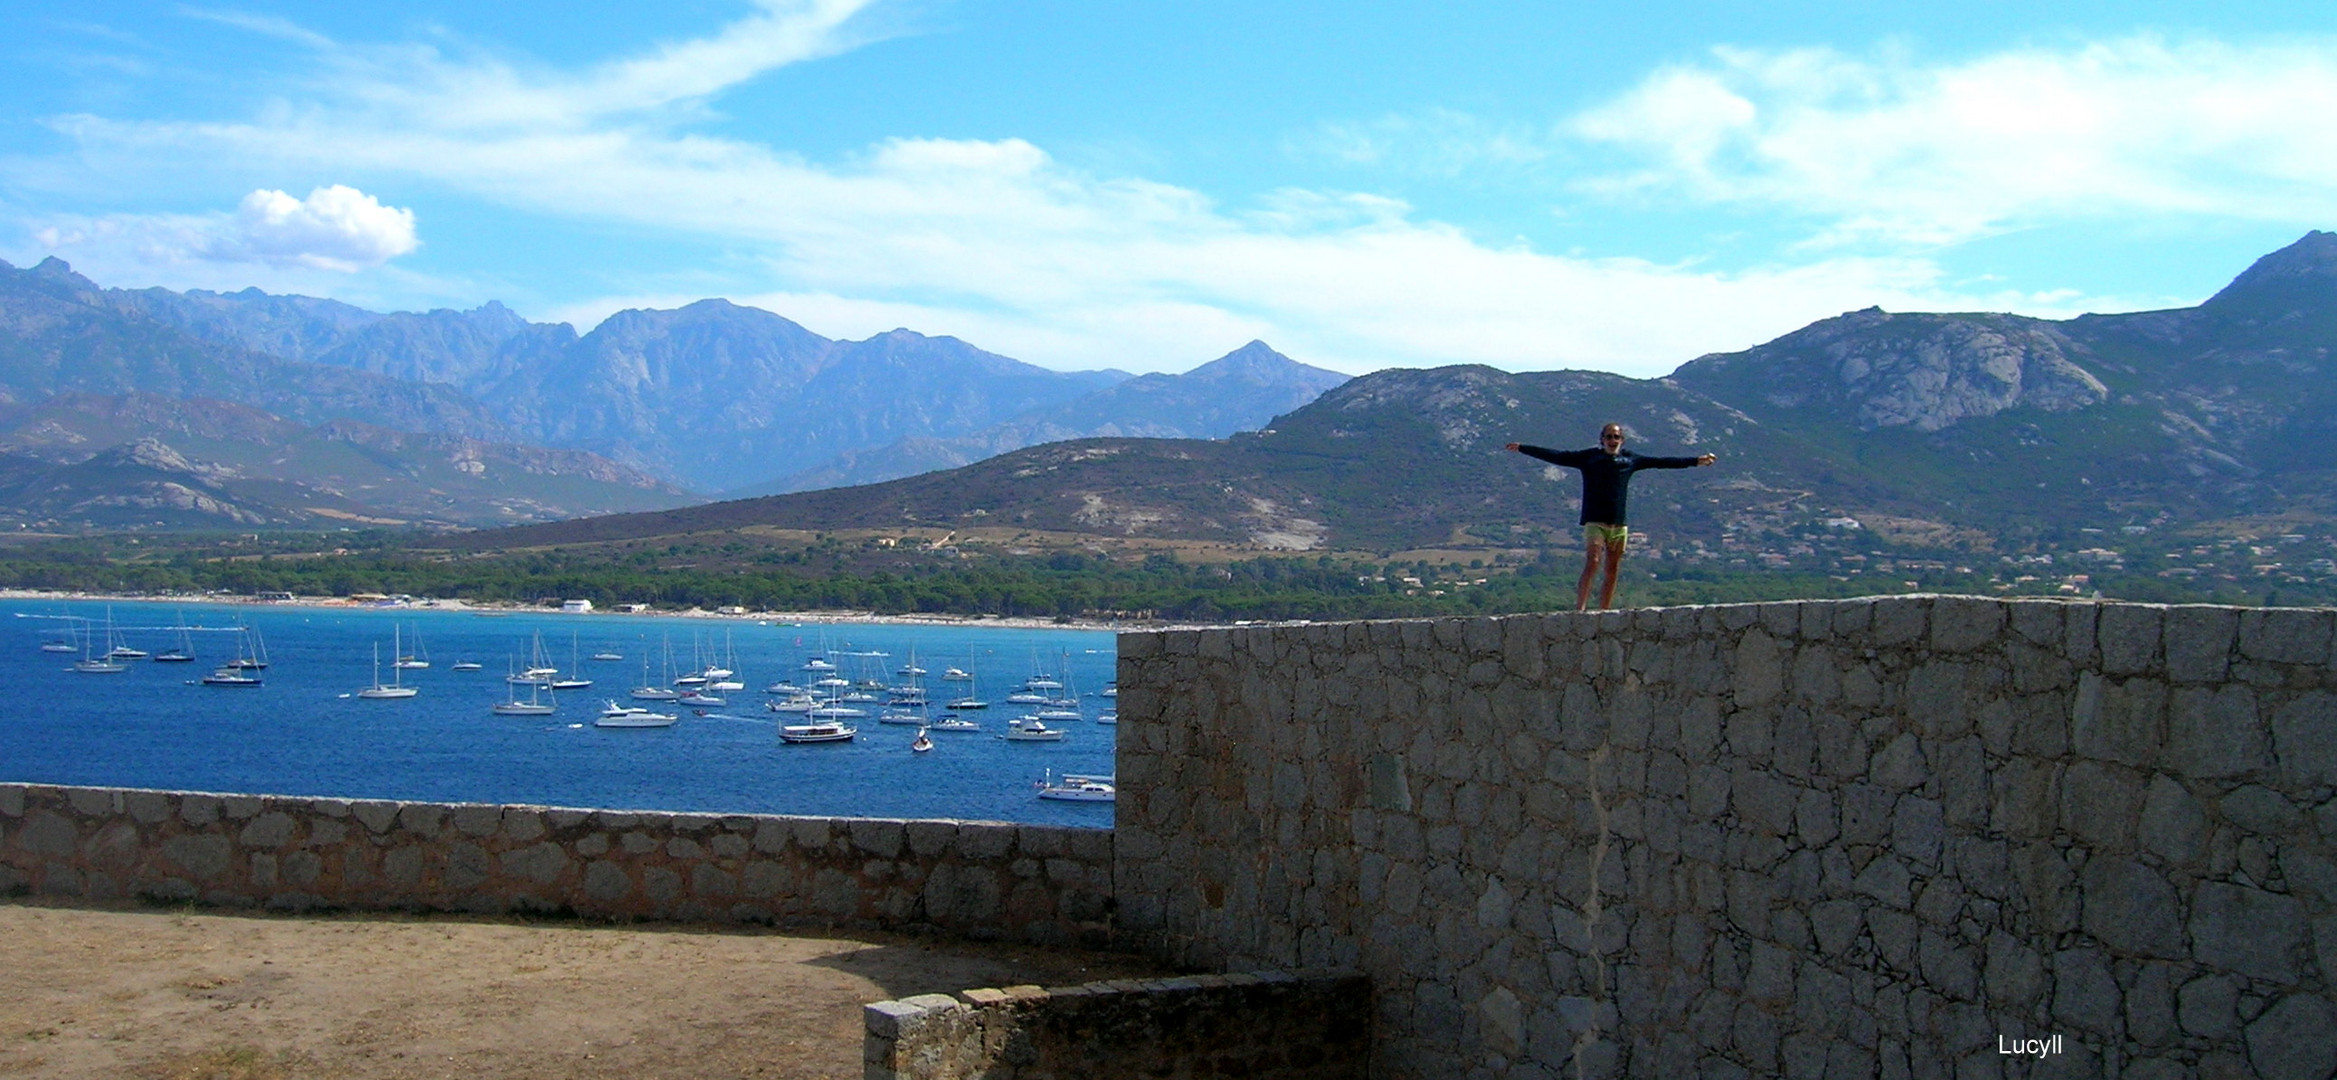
(203, 995)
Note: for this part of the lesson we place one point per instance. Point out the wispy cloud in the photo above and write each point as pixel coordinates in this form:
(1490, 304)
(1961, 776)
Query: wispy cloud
(1889, 149)
(999, 242)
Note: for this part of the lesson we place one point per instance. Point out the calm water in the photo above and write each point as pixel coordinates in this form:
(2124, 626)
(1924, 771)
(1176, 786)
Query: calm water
(303, 733)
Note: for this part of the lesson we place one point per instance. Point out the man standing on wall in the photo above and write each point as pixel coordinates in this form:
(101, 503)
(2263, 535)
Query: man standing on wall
(1606, 485)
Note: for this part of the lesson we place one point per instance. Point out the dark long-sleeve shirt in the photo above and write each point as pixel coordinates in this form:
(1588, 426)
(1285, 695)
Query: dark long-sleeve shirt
(1606, 478)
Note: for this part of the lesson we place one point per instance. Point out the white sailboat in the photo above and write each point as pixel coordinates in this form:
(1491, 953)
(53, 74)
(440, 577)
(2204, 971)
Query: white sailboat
(103, 664)
(575, 679)
(649, 691)
(394, 689)
(416, 660)
(533, 706)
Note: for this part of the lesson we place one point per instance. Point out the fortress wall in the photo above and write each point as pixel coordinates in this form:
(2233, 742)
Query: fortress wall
(977, 879)
(1885, 837)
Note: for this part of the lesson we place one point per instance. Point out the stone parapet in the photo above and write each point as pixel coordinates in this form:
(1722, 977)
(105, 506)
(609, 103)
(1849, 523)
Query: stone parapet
(994, 880)
(1270, 1025)
(1880, 837)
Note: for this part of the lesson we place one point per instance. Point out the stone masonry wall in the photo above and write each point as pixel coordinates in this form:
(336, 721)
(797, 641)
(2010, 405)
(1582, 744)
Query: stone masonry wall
(1274, 1025)
(978, 879)
(1889, 837)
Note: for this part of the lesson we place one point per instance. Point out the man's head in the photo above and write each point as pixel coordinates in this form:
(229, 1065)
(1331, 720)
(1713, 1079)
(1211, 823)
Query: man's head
(1611, 438)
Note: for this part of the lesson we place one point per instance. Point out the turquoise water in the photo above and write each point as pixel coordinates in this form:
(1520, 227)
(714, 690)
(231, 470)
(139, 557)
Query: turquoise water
(304, 733)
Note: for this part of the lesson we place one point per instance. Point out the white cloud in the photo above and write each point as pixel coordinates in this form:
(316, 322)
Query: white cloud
(1893, 150)
(997, 242)
(336, 228)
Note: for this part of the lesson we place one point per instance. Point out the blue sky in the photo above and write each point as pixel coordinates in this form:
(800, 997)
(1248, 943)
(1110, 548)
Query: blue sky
(1150, 185)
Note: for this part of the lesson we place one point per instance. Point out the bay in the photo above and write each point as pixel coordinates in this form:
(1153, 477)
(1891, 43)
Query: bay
(304, 732)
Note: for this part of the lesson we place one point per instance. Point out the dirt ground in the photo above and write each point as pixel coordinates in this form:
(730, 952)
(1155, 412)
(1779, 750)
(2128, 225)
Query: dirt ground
(203, 995)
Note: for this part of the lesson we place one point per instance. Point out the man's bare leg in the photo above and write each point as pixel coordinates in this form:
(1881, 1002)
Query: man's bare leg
(1614, 566)
(1590, 569)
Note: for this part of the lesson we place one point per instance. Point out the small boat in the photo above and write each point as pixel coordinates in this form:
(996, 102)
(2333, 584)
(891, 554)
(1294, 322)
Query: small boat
(1058, 715)
(817, 732)
(836, 712)
(920, 744)
(954, 723)
(701, 701)
(257, 658)
(1029, 729)
(393, 689)
(1072, 788)
(183, 652)
(575, 679)
(1027, 697)
(1111, 690)
(902, 718)
(967, 704)
(649, 691)
(124, 652)
(799, 703)
(818, 664)
(957, 675)
(416, 660)
(608, 656)
(466, 665)
(533, 706)
(231, 676)
(1111, 716)
(633, 716)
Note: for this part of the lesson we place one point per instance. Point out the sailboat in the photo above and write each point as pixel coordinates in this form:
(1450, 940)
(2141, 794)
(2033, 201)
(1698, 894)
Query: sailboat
(184, 653)
(233, 673)
(257, 658)
(531, 707)
(973, 698)
(394, 689)
(419, 658)
(649, 691)
(103, 664)
(575, 679)
(120, 650)
(539, 670)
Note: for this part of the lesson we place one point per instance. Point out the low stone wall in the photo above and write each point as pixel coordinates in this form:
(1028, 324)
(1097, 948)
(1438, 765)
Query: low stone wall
(1889, 837)
(995, 880)
(1274, 1025)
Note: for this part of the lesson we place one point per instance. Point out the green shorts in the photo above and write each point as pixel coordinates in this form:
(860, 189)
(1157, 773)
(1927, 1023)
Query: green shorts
(1610, 535)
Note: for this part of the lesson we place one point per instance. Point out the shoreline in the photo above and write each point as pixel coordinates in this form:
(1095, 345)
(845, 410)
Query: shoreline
(515, 608)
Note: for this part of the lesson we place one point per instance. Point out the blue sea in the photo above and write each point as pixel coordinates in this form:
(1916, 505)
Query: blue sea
(305, 733)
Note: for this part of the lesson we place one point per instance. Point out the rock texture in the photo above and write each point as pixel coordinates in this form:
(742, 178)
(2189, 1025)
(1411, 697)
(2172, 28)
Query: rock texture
(1845, 838)
(980, 879)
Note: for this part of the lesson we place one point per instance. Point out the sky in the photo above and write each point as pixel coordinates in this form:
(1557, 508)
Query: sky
(1149, 185)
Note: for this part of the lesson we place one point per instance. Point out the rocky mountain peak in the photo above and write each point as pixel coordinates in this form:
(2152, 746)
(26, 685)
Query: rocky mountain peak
(2299, 277)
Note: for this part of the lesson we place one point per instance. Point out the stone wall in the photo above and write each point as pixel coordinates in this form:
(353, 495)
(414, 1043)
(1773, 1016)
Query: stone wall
(1887, 837)
(977, 879)
(1274, 1025)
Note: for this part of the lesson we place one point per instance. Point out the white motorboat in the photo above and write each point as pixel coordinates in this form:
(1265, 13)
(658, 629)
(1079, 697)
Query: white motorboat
(1108, 716)
(785, 687)
(902, 718)
(1073, 788)
(819, 664)
(1057, 715)
(701, 701)
(953, 723)
(799, 703)
(1027, 697)
(957, 675)
(836, 712)
(828, 731)
(1110, 690)
(633, 716)
(1029, 729)
(465, 665)
(967, 704)
(608, 656)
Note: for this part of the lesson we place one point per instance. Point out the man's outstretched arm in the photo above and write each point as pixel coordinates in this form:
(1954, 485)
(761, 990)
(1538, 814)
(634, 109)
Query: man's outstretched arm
(1572, 459)
(1646, 462)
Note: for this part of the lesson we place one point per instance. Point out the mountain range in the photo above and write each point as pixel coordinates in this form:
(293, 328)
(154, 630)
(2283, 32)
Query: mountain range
(648, 406)
(1987, 432)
